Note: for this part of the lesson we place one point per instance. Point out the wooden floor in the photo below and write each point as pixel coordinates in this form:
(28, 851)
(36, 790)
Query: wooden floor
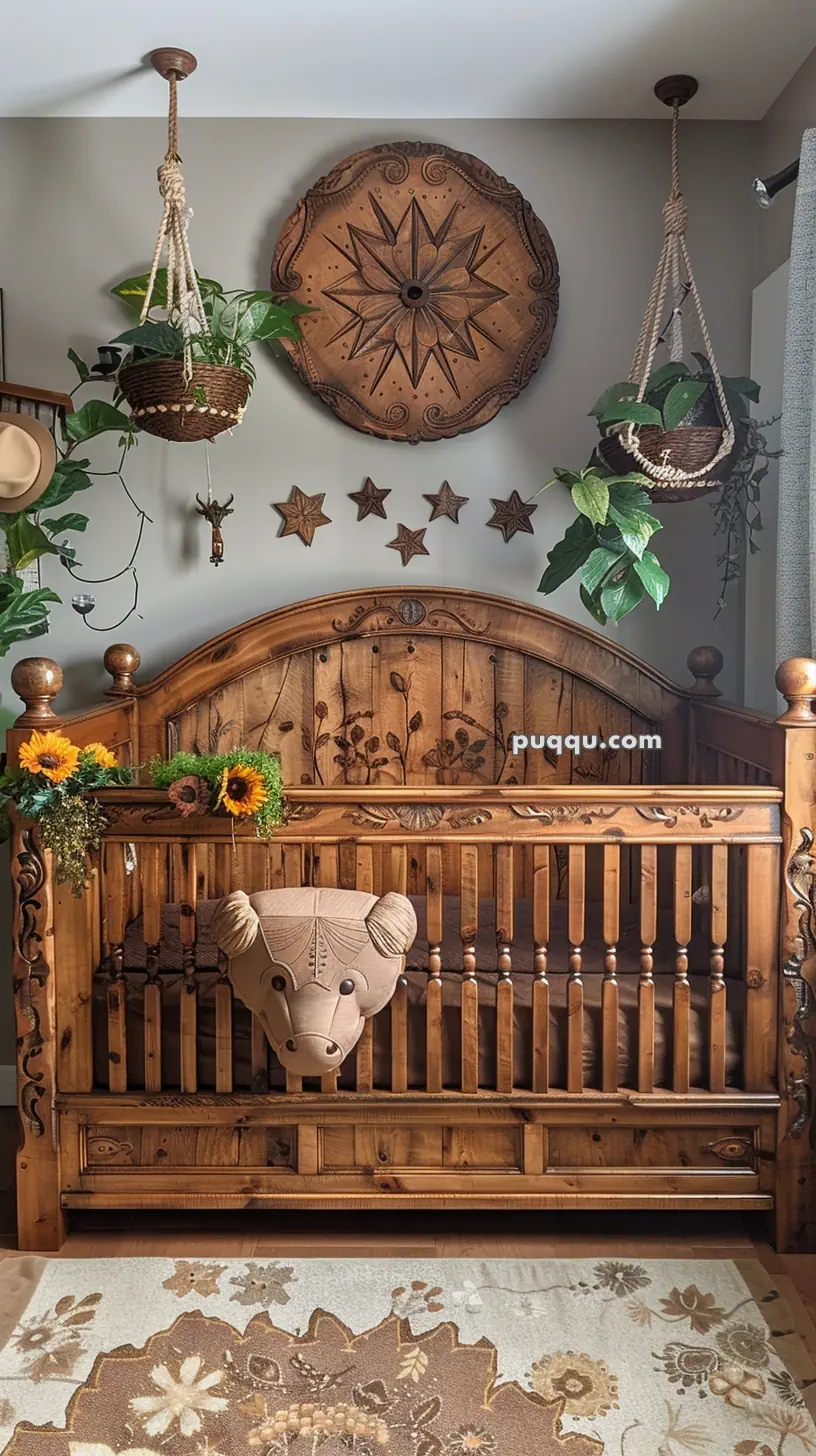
(397, 1235)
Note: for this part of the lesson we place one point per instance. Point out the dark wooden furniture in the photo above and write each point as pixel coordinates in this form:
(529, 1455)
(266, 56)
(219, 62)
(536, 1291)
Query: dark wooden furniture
(636, 1038)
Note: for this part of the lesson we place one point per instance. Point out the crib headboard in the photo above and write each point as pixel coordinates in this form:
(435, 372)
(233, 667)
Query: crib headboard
(395, 686)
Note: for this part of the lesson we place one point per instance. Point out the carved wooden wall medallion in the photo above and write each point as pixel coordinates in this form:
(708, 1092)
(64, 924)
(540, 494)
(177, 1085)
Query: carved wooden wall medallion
(435, 288)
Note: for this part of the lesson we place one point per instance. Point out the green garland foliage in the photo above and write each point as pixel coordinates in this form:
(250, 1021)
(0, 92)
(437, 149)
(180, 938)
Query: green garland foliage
(210, 767)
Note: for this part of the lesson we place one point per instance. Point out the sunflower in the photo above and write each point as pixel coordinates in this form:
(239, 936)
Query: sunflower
(50, 754)
(242, 790)
(102, 756)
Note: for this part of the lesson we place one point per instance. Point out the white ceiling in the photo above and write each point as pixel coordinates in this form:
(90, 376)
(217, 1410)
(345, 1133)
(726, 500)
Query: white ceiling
(402, 58)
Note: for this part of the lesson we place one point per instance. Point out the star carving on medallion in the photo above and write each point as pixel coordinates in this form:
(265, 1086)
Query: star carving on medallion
(512, 515)
(445, 503)
(302, 514)
(413, 294)
(409, 543)
(369, 500)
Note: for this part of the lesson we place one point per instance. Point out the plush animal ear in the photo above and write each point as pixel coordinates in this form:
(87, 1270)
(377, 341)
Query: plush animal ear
(392, 924)
(235, 924)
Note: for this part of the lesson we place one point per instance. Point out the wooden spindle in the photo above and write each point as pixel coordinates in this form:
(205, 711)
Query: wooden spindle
(646, 985)
(717, 991)
(364, 880)
(396, 878)
(292, 878)
(761, 956)
(681, 1003)
(541, 985)
(188, 1006)
(576, 916)
(469, 929)
(327, 875)
(116, 901)
(434, 908)
(223, 870)
(152, 860)
(505, 907)
(610, 994)
(74, 1004)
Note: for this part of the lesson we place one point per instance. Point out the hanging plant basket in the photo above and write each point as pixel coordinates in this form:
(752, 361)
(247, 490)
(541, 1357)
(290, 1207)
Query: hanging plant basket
(166, 403)
(684, 456)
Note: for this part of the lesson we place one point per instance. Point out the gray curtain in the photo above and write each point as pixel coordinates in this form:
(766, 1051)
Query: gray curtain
(796, 549)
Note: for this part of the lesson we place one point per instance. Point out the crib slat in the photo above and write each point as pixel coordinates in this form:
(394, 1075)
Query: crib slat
(223, 1031)
(682, 989)
(469, 928)
(328, 875)
(609, 990)
(541, 986)
(292, 878)
(364, 880)
(717, 991)
(188, 1006)
(116, 902)
(504, 989)
(152, 866)
(224, 861)
(646, 986)
(74, 1003)
(395, 877)
(433, 1011)
(576, 915)
(762, 892)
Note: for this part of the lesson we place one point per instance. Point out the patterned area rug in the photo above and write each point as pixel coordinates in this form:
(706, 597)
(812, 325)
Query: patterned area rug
(216, 1357)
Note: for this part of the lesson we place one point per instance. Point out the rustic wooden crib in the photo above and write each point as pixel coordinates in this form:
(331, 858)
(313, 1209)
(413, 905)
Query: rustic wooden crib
(593, 1015)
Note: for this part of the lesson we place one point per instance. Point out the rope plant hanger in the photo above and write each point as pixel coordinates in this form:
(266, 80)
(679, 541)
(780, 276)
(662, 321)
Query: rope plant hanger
(187, 398)
(679, 459)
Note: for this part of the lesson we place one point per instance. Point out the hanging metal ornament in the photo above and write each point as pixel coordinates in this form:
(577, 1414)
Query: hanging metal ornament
(214, 513)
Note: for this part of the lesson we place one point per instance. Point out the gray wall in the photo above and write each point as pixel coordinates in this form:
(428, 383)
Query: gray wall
(80, 209)
(793, 111)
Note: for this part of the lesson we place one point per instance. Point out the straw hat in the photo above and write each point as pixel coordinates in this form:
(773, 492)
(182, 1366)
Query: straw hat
(28, 457)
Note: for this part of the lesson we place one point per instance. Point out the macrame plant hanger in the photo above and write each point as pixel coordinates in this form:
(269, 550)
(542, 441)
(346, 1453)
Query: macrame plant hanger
(674, 262)
(188, 399)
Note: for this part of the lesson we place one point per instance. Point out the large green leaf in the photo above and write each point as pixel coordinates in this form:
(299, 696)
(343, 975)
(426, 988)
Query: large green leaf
(636, 527)
(94, 418)
(69, 477)
(22, 614)
(654, 578)
(665, 374)
(261, 320)
(132, 291)
(634, 413)
(748, 388)
(628, 493)
(622, 594)
(26, 541)
(680, 399)
(155, 338)
(602, 561)
(79, 364)
(72, 521)
(613, 395)
(593, 605)
(590, 496)
(568, 555)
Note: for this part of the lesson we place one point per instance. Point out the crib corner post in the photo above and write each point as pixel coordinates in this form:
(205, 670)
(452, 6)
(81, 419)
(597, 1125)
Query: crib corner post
(795, 1200)
(41, 1224)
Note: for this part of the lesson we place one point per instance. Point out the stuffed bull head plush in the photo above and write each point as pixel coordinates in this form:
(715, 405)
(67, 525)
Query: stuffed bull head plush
(313, 964)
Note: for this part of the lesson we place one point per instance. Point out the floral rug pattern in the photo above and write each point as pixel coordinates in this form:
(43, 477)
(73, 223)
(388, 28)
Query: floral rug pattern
(209, 1357)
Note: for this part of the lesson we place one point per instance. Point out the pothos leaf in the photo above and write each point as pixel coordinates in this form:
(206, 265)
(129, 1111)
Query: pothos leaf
(622, 594)
(590, 496)
(568, 555)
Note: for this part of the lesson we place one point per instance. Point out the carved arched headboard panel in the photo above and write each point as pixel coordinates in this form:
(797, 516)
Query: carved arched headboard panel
(392, 686)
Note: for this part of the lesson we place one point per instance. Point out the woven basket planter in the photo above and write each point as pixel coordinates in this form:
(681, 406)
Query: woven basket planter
(689, 446)
(163, 403)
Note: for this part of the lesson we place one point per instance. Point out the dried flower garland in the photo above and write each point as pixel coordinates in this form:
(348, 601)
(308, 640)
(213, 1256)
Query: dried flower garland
(55, 782)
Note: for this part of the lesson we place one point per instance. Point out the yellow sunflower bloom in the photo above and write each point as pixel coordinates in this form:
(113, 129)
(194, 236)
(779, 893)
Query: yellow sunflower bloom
(242, 790)
(101, 755)
(50, 754)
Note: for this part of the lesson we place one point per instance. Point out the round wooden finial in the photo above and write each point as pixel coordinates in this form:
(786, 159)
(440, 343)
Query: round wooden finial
(704, 663)
(796, 681)
(37, 680)
(121, 661)
(171, 61)
(676, 88)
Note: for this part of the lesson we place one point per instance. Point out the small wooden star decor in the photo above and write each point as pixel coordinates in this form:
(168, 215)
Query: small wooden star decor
(369, 500)
(302, 514)
(409, 543)
(512, 515)
(445, 503)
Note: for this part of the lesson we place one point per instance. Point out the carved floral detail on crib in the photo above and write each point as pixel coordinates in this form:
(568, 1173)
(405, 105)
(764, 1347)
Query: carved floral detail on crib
(407, 612)
(800, 881)
(31, 879)
(707, 817)
(563, 813)
(415, 816)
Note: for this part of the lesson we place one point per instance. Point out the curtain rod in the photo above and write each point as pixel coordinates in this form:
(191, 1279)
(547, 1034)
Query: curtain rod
(767, 189)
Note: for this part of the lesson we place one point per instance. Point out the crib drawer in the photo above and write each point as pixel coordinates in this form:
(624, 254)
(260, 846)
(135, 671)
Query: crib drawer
(663, 1147)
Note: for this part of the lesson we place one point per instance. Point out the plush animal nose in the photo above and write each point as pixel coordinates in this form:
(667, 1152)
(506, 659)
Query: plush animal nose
(311, 1054)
